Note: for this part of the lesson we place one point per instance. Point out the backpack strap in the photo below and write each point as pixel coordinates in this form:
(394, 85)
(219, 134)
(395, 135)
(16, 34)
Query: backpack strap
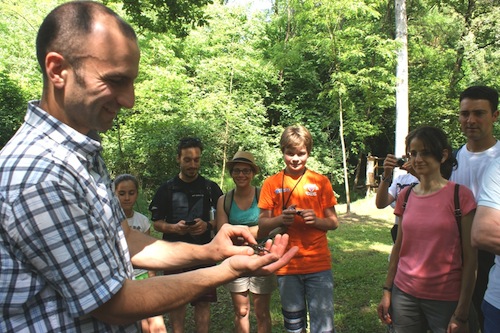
(229, 198)
(208, 186)
(407, 195)
(170, 189)
(457, 212)
(228, 201)
(458, 217)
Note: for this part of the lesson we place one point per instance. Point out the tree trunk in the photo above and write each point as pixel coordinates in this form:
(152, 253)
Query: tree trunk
(402, 110)
(344, 160)
(226, 131)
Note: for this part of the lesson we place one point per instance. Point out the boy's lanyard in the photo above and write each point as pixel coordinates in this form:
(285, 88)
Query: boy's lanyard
(293, 189)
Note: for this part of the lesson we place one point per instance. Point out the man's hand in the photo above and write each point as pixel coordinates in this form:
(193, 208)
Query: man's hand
(227, 241)
(225, 244)
(198, 228)
(265, 263)
(181, 227)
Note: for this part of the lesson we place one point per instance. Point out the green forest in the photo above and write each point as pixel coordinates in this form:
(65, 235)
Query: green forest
(235, 78)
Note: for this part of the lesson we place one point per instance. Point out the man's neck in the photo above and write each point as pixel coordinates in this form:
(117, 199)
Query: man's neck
(187, 179)
(477, 146)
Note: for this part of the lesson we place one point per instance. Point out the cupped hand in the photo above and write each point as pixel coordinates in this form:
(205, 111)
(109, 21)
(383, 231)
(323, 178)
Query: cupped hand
(265, 263)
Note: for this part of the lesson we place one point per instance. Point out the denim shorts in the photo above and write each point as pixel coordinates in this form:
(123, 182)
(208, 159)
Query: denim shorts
(307, 293)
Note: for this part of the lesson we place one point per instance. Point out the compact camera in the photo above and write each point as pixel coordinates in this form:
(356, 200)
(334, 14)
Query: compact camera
(400, 162)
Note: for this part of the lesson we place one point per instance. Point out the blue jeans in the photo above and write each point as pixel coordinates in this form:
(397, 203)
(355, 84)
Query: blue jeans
(491, 318)
(305, 293)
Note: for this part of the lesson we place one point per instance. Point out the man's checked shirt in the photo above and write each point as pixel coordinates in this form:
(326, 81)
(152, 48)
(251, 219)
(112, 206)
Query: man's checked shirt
(62, 250)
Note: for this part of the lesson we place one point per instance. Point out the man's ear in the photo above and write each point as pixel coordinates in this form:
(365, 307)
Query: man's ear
(57, 69)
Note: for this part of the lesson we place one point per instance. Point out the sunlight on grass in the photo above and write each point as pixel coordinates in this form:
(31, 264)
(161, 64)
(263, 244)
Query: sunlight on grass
(381, 247)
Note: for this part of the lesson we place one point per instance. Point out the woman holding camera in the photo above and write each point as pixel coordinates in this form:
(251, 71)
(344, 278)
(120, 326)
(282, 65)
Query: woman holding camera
(389, 187)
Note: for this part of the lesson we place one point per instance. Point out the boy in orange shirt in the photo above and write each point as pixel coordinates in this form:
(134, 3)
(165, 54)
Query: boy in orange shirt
(303, 202)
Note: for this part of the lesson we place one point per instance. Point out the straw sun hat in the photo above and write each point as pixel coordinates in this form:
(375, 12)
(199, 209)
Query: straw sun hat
(243, 157)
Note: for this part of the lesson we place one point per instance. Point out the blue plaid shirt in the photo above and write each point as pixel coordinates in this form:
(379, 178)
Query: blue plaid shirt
(62, 249)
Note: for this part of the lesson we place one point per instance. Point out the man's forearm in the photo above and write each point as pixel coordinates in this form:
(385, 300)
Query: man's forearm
(146, 298)
(164, 227)
(150, 253)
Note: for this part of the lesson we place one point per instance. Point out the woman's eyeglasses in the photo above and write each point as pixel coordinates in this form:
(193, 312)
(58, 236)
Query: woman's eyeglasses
(236, 172)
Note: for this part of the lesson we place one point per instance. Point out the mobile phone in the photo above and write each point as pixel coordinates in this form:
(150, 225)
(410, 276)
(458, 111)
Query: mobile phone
(400, 162)
(190, 222)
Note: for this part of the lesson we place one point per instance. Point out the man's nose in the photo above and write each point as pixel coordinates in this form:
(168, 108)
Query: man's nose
(126, 97)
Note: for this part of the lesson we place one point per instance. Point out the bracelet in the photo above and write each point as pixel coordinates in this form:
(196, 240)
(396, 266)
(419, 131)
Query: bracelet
(460, 320)
(387, 180)
(389, 289)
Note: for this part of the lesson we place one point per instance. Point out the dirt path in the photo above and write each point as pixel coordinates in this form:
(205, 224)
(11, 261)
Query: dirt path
(367, 207)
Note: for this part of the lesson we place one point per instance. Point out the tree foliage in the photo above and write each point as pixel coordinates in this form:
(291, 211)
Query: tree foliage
(160, 16)
(12, 108)
(236, 79)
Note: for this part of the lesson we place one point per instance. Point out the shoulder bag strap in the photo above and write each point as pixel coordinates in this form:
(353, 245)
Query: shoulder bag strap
(407, 195)
(458, 218)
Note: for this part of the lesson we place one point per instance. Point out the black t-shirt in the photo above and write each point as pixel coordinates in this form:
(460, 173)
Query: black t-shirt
(177, 200)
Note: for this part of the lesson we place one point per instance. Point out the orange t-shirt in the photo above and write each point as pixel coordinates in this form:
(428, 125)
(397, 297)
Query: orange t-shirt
(313, 191)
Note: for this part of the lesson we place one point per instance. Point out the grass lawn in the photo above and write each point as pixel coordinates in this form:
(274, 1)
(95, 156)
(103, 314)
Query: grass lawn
(360, 249)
